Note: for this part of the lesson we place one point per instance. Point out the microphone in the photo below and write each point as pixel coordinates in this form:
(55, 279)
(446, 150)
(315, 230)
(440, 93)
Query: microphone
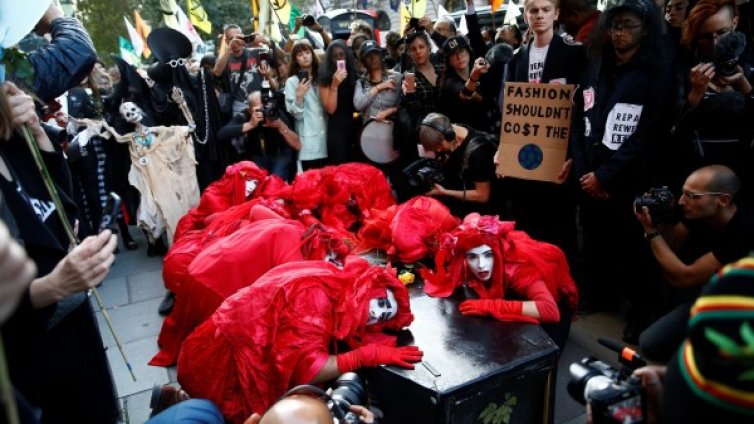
(499, 55)
(628, 356)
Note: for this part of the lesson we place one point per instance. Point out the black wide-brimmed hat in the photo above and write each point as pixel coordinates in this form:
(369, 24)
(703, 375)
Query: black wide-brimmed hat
(168, 44)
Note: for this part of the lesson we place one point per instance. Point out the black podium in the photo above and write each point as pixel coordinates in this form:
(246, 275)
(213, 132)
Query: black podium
(475, 370)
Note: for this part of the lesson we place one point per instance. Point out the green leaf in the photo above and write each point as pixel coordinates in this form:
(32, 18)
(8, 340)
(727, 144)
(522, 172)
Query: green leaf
(488, 413)
(747, 334)
(747, 376)
(723, 342)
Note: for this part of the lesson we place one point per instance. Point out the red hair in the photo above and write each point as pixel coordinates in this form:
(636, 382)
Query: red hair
(700, 13)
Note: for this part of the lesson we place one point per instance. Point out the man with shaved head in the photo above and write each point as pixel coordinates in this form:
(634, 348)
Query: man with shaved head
(303, 409)
(714, 231)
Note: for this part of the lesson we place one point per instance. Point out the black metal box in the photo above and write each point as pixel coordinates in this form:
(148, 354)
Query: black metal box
(475, 370)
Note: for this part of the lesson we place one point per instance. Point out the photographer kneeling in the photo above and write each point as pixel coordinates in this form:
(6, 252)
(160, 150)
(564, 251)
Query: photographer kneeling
(268, 138)
(713, 232)
(467, 167)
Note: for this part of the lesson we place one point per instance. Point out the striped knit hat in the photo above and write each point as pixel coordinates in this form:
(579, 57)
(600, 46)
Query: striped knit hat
(716, 362)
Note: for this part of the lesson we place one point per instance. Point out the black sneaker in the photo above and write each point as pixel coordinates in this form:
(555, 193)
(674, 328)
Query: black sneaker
(167, 304)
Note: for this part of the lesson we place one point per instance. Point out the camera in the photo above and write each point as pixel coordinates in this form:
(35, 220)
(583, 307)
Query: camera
(660, 202)
(347, 390)
(424, 172)
(614, 395)
(726, 52)
(249, 38)
(414, 23)
(270, 109)
(307, 20)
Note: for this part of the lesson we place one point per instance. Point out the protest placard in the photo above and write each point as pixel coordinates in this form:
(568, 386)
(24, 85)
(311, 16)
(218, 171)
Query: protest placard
(535, 129)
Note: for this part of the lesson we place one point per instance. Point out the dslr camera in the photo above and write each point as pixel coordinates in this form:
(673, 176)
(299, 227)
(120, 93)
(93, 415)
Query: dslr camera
(727, 51)
(614, 395)
(347, 390)
(660, 202)
(424, 173)
(307, 20)
(270, 109)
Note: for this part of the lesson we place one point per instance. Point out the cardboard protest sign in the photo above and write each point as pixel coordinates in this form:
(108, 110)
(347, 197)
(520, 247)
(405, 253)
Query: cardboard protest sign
(535, 130)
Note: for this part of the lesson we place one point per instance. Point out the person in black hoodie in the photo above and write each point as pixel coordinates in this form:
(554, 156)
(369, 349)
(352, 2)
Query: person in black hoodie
(619, 122)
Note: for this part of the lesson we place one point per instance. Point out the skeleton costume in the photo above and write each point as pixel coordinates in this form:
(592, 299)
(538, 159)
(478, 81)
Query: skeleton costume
(163, 169)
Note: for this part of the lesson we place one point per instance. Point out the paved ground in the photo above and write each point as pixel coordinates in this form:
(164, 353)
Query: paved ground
(134, 288)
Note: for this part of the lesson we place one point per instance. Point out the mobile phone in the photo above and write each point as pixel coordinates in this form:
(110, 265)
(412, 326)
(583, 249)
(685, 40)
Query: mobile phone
(413, 23)
(341, 65)
(110, 212)
(249, 38)
(264, 57)
(302, 75)
(410, 78)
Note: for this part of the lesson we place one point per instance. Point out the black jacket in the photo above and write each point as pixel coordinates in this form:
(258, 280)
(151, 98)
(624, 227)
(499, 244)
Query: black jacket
(65, 62)
(625, 170)
(563, 61)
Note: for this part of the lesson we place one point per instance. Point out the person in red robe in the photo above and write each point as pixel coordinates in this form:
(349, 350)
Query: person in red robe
(236, 261)
(282, 331)
(492, 261)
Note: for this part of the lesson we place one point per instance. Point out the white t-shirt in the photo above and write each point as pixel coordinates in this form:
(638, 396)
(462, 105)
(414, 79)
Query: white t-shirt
(537, 57)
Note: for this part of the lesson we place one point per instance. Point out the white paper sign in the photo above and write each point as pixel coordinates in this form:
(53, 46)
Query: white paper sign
(621, 123)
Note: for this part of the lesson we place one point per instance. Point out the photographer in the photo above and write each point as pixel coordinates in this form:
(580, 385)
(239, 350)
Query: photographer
(312, 26)
(268, 138)
(240, 70)
(468, 169)
(714, 232)
(712, 122)
(301, 408)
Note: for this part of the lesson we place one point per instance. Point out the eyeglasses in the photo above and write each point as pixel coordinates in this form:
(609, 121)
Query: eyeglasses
(711, 36)
(693, 196)
(177, 62)
(623, 27)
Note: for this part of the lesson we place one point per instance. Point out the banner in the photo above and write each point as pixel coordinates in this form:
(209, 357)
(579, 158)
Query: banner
(255, 15)
(169, 9)
(418, 8)
(127, 52)
(495, 4)
(137, 43)
(535, 131)
(143, 29)
(198, 16)
(281, 9)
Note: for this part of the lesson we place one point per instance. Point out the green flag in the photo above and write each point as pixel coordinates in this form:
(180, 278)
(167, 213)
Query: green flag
(127, 51)
(292, 21)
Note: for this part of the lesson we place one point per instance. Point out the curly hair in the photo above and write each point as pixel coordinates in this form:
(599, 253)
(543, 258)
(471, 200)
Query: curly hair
(700, 13)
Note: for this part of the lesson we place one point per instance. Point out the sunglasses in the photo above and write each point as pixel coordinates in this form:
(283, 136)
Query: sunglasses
(176, 63)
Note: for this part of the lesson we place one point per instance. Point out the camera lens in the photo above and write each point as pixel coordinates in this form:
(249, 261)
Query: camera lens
(307, 20)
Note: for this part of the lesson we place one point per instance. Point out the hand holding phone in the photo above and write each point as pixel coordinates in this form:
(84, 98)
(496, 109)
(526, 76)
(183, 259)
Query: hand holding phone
(409, 79)
(302, 75)
(110, 213)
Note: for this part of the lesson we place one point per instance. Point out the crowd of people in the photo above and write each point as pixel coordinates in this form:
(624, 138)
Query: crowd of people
(247, 170)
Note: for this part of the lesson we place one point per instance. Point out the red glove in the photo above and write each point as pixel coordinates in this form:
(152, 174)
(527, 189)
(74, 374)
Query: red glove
(372, 355)
(500, 309)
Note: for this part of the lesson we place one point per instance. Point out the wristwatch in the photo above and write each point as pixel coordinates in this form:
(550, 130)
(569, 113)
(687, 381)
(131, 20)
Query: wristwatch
(650, 236)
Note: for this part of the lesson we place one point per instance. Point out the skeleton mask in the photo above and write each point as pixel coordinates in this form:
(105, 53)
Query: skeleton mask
(251, 185)
(480, 261)
(131, 112)
(382, 309)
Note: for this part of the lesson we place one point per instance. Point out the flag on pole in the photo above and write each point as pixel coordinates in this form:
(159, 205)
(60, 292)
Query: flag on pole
(185, 26)
(511, 13)
(463, 27)
(169, 9)
(255, 15)
(418, 8)
(143, 29)
(281, 9)
(127, 51)
(317, 9)
(137, 43)
(198, 16)
(495, 4)
(442, 12)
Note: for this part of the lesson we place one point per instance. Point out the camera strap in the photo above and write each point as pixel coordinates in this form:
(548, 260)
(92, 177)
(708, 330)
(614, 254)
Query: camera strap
(242, 72)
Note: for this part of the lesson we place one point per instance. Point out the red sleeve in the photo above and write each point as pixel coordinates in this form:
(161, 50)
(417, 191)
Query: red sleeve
(548, 310)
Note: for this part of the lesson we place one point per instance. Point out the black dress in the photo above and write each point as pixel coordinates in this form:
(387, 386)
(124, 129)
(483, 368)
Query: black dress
(342, 127)
(55, 354)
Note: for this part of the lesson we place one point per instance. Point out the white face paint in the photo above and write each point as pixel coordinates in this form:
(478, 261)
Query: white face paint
(131, 112)
(251, 185)
(382, 308)
(480, 261)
